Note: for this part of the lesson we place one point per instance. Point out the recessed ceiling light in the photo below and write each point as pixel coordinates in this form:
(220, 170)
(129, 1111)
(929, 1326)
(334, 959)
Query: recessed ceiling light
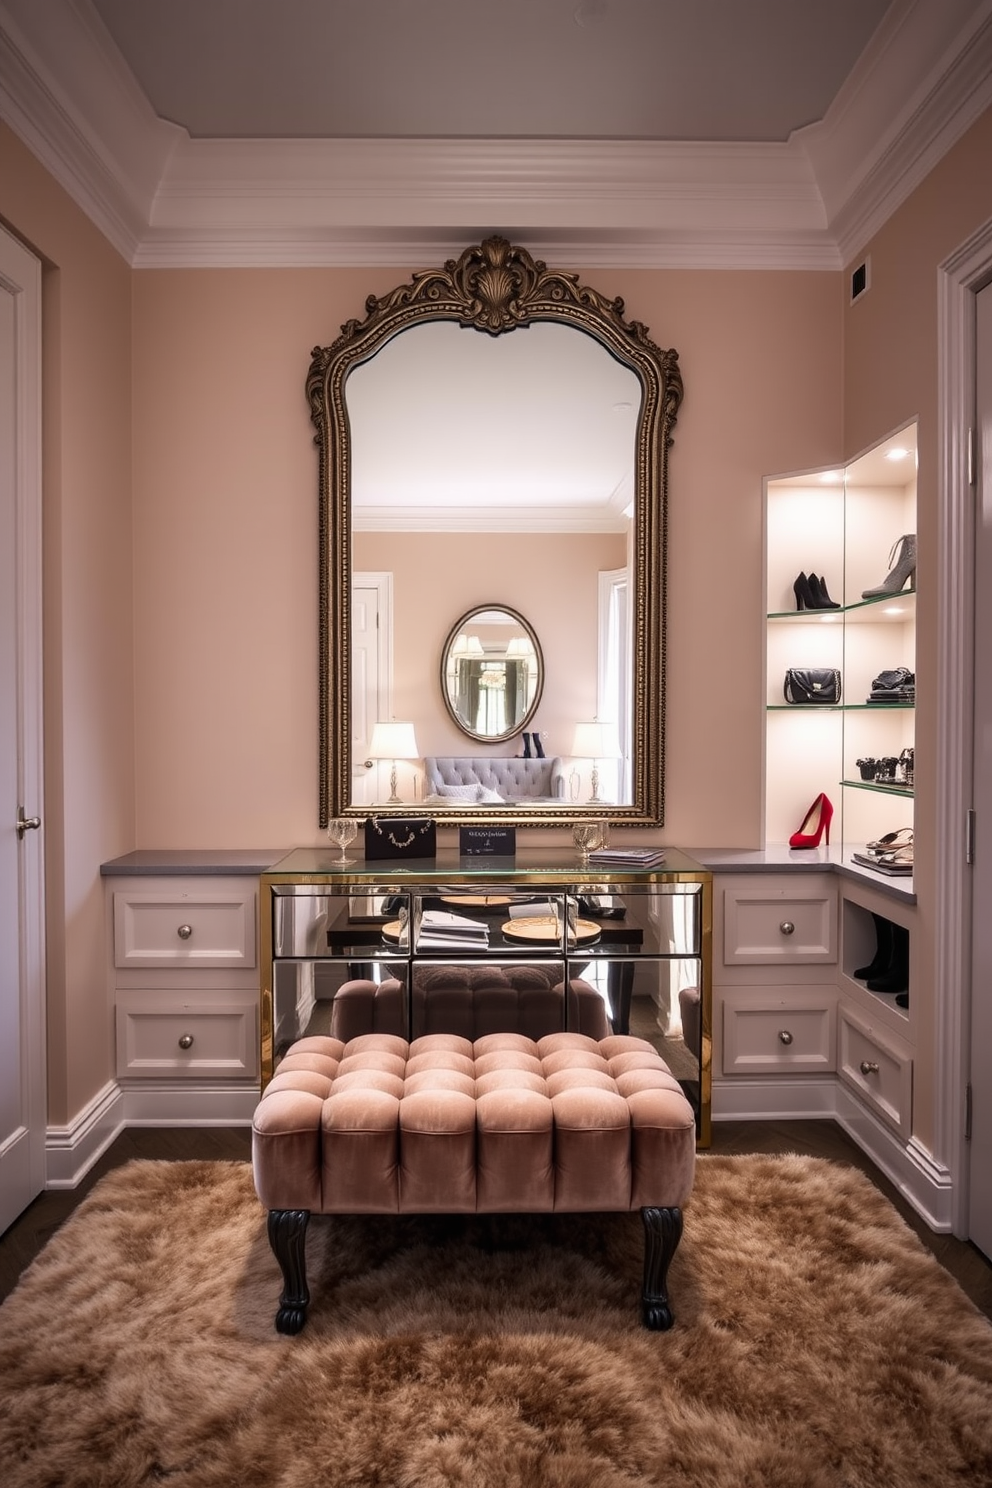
(832, 477)
(896, 453)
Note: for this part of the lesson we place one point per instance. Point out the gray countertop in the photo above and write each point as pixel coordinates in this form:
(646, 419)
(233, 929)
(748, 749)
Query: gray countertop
(162, 863)
(178, 861)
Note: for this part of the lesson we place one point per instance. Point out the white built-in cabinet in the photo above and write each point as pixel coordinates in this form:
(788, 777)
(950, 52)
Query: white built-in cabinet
(795, 1032)
(184, 985)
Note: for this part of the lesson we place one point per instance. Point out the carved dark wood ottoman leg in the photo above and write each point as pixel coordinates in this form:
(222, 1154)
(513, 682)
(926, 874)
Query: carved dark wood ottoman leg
(662, 1233)
(287, 1236)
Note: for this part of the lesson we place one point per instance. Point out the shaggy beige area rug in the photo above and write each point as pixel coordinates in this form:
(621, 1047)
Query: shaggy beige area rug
(817, 1344)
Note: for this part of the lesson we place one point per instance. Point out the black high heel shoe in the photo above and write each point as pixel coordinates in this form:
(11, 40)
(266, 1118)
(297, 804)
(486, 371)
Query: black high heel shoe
(896, 978)
(882, 959)
(820, 595)
(805, 598)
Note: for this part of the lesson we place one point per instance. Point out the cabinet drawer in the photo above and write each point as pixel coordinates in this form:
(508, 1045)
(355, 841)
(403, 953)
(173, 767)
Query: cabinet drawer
(776, 926)
(179, 930)
(179, 1035)
(879, 1067)
(796, 1032)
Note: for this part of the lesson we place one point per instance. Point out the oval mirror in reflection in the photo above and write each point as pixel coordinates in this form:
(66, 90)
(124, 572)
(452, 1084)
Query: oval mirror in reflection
(492, 673)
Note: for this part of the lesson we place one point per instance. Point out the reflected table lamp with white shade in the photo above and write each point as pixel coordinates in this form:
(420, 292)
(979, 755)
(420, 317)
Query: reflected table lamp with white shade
(596, 741)
(393, 741)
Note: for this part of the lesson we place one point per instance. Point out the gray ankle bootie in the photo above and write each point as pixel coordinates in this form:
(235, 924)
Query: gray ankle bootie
(902, 561)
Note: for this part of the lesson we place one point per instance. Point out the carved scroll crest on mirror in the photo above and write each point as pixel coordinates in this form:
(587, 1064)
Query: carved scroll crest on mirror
(496, 288)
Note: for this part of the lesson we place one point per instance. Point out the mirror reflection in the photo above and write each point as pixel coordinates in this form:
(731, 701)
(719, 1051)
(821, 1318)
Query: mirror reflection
(491, 673)
(494, 426)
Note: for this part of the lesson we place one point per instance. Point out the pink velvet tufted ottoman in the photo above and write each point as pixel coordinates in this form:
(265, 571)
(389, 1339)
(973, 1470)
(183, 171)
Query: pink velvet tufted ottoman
(501, 1124)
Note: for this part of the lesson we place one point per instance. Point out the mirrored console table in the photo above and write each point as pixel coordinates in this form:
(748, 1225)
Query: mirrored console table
(534, 944)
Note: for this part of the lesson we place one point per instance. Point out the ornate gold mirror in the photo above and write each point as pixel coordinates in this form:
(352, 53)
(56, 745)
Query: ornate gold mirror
(492, 673)
(434, 492)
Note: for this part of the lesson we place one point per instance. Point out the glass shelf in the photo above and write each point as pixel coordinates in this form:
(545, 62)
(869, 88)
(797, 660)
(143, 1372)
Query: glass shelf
(867, 610)
(879, 787)
(840, 707)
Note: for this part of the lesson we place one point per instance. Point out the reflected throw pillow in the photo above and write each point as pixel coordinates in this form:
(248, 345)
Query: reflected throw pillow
(474, 793)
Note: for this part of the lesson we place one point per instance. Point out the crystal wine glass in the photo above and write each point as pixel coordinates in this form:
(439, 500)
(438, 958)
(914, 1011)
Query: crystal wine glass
(342, 830)
(587, 837)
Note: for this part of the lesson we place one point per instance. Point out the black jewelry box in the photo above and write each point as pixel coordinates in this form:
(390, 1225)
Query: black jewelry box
(400, 837)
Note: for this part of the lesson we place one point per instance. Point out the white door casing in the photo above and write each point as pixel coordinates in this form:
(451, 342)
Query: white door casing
(23, 1103)
(980, 1152)
(960, 277)
(371, 673)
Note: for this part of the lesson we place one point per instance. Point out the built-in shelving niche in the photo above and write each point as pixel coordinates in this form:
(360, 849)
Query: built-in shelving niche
(843, 525)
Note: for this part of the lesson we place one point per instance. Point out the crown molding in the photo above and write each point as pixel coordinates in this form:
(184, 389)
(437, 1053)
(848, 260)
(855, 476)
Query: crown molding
(167, 201)
(324, 202)
(486, 520)
(866, 156)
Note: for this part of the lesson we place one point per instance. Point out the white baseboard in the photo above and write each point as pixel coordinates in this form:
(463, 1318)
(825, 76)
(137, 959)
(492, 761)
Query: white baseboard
(805, 1098)
(923, 1182)
(158, 1103)
(70, 1151)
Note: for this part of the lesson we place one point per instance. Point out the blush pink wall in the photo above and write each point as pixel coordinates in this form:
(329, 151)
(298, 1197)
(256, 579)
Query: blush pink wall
(225, 533)
(89, 702)
(549, 578)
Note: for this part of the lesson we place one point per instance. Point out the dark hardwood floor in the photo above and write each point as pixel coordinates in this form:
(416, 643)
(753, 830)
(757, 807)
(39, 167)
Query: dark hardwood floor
(26, 1237)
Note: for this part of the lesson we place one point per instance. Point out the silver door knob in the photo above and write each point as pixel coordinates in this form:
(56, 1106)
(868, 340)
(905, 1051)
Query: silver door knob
(784, 1037)
(26, 823)
(787, 927)
(184, 932)
(869, 1067)
(186, 1041)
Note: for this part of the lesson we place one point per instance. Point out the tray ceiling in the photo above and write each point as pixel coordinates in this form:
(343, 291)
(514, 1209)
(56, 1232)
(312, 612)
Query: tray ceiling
(716, 133)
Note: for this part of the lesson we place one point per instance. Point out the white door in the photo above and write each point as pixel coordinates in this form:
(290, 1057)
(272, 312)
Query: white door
(371, 673)
(980, 1156)
(22, 1047)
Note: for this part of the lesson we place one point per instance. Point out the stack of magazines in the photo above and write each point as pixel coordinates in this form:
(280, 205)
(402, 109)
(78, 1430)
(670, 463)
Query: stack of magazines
(442, 931)
(628, 857)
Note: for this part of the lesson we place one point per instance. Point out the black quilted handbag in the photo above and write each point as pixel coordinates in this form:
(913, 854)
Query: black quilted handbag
(812, 685)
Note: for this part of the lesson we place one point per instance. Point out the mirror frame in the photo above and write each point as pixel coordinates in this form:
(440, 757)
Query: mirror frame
(495, 287)
(459, 625)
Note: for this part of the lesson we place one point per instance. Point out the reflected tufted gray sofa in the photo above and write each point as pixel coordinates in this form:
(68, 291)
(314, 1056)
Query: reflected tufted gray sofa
(452, 778)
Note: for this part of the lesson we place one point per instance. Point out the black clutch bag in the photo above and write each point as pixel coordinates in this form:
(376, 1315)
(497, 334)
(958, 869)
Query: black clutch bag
(812, 685)
(400, 837)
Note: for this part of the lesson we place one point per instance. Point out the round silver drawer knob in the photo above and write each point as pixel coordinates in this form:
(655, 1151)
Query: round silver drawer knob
(186, 1041)
(184, 932)
(784, 1037)
(787, 927)
(869, 1067)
